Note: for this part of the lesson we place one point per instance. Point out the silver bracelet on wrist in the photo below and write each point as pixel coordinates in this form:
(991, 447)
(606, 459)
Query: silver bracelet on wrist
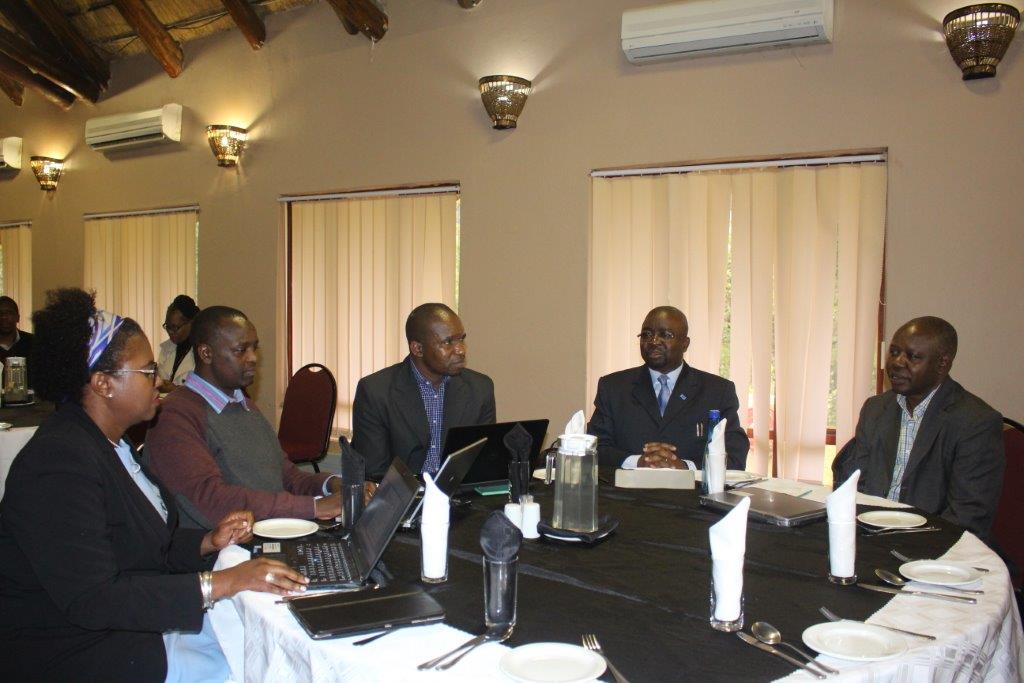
(206, 588)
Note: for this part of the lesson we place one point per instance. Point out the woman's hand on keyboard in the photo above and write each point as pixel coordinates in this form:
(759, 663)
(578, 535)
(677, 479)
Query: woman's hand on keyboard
(261, 574)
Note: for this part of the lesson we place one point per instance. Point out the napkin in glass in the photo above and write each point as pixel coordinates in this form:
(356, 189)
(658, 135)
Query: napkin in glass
(841, 506)
(518, 442)
(500, 539)
(716, 459)
(728, 540)
(434, 529)
(353, 465)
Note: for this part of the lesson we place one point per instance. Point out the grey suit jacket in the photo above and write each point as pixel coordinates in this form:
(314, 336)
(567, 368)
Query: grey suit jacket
(956, 464)
(389, 421)
(626, 416)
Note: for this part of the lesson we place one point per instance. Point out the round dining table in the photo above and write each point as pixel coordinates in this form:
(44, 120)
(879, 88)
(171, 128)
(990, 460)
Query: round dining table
(644, 592)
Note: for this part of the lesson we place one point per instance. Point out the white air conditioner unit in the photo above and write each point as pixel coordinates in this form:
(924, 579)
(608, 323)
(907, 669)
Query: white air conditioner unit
(134, 129)
(10, 152)
(701, 27)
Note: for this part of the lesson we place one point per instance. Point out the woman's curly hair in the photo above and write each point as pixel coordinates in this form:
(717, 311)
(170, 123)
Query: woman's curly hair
(60, 350)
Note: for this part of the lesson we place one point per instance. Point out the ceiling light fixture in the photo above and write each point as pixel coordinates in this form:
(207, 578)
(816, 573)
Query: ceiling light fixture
(227, 143)
(47, 171)
(504, 98)
(978, 35)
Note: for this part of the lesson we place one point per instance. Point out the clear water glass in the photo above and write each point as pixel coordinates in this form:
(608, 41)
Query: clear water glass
(500, 584)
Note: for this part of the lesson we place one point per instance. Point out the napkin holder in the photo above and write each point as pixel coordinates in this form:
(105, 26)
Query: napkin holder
(655, 478)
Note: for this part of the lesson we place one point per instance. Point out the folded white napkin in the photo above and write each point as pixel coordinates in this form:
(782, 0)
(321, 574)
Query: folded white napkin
(576, 424)
(716, 459)
(434, 529)
(841, 505)
(728, 546)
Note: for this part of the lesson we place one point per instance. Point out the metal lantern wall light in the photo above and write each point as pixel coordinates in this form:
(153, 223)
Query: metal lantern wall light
(978, 35)
(504, 98)
(47, 171)
(227, 143)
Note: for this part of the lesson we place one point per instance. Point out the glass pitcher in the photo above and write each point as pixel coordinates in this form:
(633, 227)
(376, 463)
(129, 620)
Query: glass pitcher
(15, 380)
(575, 480)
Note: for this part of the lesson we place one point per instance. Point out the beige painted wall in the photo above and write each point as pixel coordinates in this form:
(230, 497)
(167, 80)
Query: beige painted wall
(327, 112)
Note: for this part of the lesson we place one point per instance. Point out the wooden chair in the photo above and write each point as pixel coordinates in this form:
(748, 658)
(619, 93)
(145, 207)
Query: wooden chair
(1008, 527)
(308, 414)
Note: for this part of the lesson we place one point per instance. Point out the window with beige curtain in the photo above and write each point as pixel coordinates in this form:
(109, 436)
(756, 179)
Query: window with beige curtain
(16, 268)
(779, 272)
(358, 266)
(138, 263)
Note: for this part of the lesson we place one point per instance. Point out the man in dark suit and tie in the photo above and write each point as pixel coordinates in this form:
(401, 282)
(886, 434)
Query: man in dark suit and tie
(405, 410)
(928, 442)
(656, 413)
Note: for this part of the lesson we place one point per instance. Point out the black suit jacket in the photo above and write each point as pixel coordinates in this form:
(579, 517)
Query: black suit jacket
(389, 421)
(90, 574)
(956, 464)
(626, 416)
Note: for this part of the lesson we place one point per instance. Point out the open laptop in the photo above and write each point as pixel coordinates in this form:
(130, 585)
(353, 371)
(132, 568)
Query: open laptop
(331, 562)
(448, 478)
(491, 466)
(772, 507)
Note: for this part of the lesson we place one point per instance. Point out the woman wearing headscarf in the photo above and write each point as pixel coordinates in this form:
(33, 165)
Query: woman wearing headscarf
(97, 581)
(175, 359)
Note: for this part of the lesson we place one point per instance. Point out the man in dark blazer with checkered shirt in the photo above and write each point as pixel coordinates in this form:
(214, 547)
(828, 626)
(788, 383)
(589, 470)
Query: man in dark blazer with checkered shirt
(655, 415)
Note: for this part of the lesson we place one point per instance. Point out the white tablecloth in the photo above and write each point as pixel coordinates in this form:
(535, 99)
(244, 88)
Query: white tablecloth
(11, 441)
(979, 642)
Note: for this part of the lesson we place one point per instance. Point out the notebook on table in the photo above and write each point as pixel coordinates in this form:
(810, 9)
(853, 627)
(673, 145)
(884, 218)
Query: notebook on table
(772, 507)
(491, 465)
(448, 478)
(346, 562)
(348, 614)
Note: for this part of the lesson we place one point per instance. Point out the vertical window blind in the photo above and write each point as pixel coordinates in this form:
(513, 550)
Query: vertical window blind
(16, 268)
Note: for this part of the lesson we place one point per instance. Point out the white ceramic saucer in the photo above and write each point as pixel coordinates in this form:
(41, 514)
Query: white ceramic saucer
(283, 527)
(551, 663)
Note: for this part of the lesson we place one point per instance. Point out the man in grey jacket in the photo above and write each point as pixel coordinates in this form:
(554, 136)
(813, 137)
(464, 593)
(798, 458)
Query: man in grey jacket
(928, 442)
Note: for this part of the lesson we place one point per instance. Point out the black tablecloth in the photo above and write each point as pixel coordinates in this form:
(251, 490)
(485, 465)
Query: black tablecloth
(644, 590)
(26, 416)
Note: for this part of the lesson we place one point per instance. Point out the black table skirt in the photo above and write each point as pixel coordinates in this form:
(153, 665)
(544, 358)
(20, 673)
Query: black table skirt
(26, 416)
(644, 590)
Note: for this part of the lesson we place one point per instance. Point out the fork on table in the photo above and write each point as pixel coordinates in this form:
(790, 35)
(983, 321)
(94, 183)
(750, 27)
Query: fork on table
(591, 643)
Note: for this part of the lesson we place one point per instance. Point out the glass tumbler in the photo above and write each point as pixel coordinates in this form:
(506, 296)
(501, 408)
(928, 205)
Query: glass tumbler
(500, 583)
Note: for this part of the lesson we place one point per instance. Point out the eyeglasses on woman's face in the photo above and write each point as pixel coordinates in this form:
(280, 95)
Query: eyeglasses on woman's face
(150, 370)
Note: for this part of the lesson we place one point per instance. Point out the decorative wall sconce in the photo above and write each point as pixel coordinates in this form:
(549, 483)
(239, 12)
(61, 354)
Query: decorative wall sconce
(978, 35)
(504, 98)
(227, 143)
(47, 171)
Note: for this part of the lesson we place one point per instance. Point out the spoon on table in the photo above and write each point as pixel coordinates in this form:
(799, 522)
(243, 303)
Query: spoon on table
(769, 635)
(897, 580)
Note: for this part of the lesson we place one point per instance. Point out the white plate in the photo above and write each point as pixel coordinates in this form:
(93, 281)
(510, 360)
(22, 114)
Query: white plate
(891, 519)
(4, 426)
(284, 527)
(854, 641)
(940, 572)
(551, 663)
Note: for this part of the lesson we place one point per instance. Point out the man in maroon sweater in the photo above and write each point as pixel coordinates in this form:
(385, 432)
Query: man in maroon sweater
(213, 448)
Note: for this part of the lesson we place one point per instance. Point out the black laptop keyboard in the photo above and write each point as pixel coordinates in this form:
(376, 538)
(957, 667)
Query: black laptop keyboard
(324, 563)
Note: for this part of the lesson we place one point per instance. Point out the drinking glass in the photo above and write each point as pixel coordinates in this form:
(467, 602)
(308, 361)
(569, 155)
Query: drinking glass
(500, 583)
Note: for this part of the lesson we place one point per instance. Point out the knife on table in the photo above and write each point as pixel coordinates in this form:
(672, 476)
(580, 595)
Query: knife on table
(923, 594)
(751, 640)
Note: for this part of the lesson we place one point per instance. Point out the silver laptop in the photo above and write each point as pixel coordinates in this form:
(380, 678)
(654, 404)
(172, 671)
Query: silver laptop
(780, 509)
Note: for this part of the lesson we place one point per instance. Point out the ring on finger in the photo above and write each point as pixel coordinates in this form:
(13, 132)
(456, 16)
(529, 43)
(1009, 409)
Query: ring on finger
(269, 578)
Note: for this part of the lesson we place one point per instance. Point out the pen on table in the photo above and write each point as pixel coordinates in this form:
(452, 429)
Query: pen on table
(801, 495)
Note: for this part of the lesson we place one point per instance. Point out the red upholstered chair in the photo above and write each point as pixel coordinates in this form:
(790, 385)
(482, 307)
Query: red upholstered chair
(1008, 528)
(308, 414)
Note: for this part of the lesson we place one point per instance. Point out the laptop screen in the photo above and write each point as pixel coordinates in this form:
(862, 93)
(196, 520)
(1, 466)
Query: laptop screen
(491, 466)
(383, 514)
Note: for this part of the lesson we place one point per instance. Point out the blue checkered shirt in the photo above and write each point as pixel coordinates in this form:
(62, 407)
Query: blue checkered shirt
(909, 424)
(433, 404)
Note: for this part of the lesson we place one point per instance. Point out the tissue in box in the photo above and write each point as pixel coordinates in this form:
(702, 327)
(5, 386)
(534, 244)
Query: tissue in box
(654, 478)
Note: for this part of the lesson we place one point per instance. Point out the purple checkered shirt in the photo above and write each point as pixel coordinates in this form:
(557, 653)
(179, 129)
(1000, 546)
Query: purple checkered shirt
(433, 404)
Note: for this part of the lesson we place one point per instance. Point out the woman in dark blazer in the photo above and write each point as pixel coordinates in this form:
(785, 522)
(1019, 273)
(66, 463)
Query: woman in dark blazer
(93, 567)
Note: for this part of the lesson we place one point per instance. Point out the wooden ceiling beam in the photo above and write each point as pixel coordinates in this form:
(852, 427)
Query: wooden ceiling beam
(248, 22)
(364, 15)
(349, 27)
(13, 89)
(24, 20)
(18, 72)
(15, 47)
(70, 39)
(162, 46)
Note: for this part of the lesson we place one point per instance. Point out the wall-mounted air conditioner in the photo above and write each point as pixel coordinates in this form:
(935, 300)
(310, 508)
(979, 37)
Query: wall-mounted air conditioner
(10, 152)
(138, 128)
(701, 27)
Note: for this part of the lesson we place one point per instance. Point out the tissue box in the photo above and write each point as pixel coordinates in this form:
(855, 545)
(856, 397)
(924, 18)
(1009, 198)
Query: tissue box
(651, 478)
